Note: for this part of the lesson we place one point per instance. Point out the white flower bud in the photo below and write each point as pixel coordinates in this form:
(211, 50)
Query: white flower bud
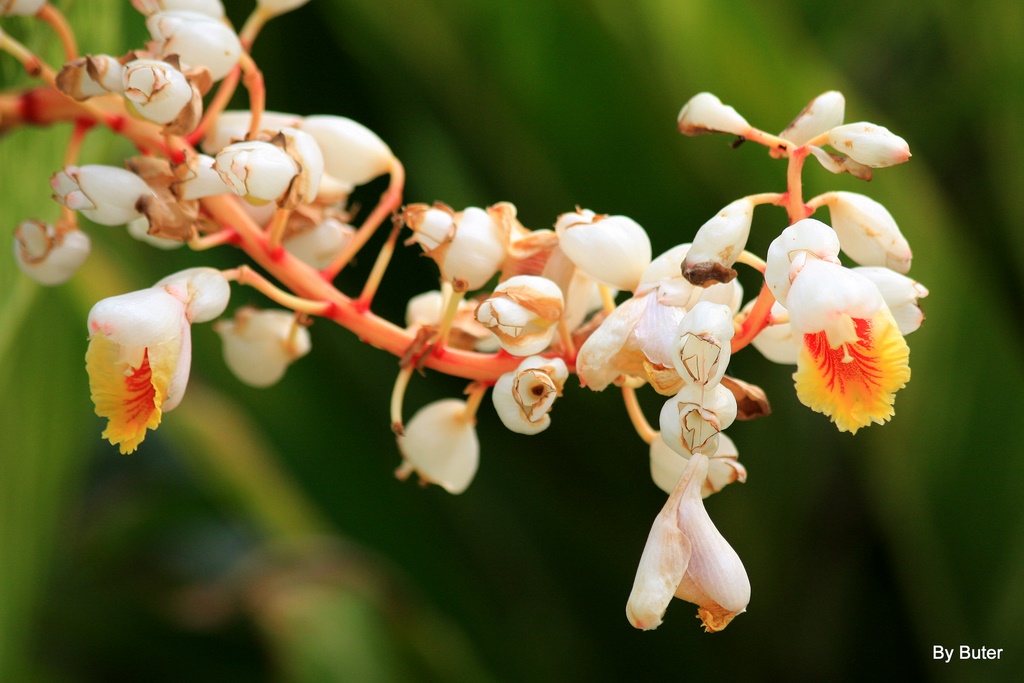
(822, 114)
(318, 247)
(202, 180)
(687, 557)
(139, 229)
(900, 294)
(198, 39)
(275, 7)
(156, 89)
(469, 247)
(705, 113)
(87, 77)
(718, 243)
(211, 8)
(256, 170)
(204, 291)
(614, 250)
(723, 468)
(701, 350)
(523, 312)
(691, 420)
(232, 126)
(310, 161)
(440, 444)
(427, 309)
(260, 345)
(104, 194)
(869, 144)
(776, 342)
(24, 8)
(867, 232)
(352, 152)
(805, 240)
(523, 397)
(47, 256)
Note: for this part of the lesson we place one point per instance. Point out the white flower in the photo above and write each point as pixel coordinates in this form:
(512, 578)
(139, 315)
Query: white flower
(705, 113)
(318, 246)
(139, 229)
(701, 351)
(523, 312)
(614, 250)
(687, 557)
(259, 345)
(201, 180)
(723, 468)
(440, 444)
(232, 126)
(869, 144)
(198, 39)
(104, 194)
(804, 241)
(469, 246)
(46, 255)
(691, 420)
(257, 170)
(776, 342)
(718, 243)
(821, 115)
(900, 294)
(867, 231)
(156, 90)
(523, 397)
(352, 152)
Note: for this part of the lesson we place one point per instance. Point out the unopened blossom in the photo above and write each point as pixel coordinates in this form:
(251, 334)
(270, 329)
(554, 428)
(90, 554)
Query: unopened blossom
(256, 170)
(47, 255)
(523, 313)
(705, 113)
(139, 229)
(353, 153)
(776, 341)
(440, 444)
(90, 76)
(821, 115)
(318, 246)
(701, 350)
(211, 8)
(805, 241)
(199, 178)
(198, 39)
(718, 243)
(12, 8)
(869, 144)
(523, 398)
(157, 90)
(901, 295)
(688, 558)
(104, 194)
(468, 246)
(233, 125)
(867, 231)
(614, 250)
(723, 467)
(259, 345)
(140, 350)
(692, 420)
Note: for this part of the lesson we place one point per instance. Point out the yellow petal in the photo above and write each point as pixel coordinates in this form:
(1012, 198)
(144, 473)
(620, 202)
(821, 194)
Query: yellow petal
(130, 398)
(854, 384)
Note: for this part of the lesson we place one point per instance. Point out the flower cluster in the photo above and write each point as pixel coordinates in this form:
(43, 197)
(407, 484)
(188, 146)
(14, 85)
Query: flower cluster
(517, 311)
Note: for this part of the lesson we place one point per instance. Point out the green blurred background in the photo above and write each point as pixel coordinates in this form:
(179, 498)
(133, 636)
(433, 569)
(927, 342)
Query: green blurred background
(259, 535)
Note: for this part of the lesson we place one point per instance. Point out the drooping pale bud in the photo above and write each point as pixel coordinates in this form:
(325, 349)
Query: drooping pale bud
(614, 250)
(804, 241)
(523, 397)
(258, 171)
(352, 152)
(723, 467)
(469, 247)
(49, 256)
(198, 39)
(440, 444)
(718, 243)
(90, 76)
(158, 91)
(821, 115)
(701, 350)
(523, 313)
(900, 294)
(867, 231)
(705, 113)
(275, 7)
(318, 246)
(868, 144)
(838, 163)
(259, 345)
(211, 8)
(139, 229)
(24, 8)
(691, 420)
(687, 557)
(104, 194)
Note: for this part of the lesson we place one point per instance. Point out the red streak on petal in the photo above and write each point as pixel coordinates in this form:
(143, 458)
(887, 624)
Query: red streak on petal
(141, 395)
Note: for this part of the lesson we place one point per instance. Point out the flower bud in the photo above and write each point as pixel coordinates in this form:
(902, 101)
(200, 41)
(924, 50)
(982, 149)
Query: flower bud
(822, 114)
(869, 144)
(701, 350)
(718, 243)
(523, 397)
(427, 309)
(199, 178)
(468, 246)
(306, 153)
(705, 113)
(523, 312)
(318, 246)
(104, 194)
(723, 468)
(256, 170)
(805, 240)
(156, 90)
(232, 126)
(47, 256)
(87, 77)
(260, 345)
(139, 229)
(900, 294)
(614, 250)
(687, 557)
(24, 8)
(776, 341)
(198, 39)
(867, 232)
(440, 444)
(275, 7)
(692, 419)
(211, 8)
(204, 291)
(352, 152)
